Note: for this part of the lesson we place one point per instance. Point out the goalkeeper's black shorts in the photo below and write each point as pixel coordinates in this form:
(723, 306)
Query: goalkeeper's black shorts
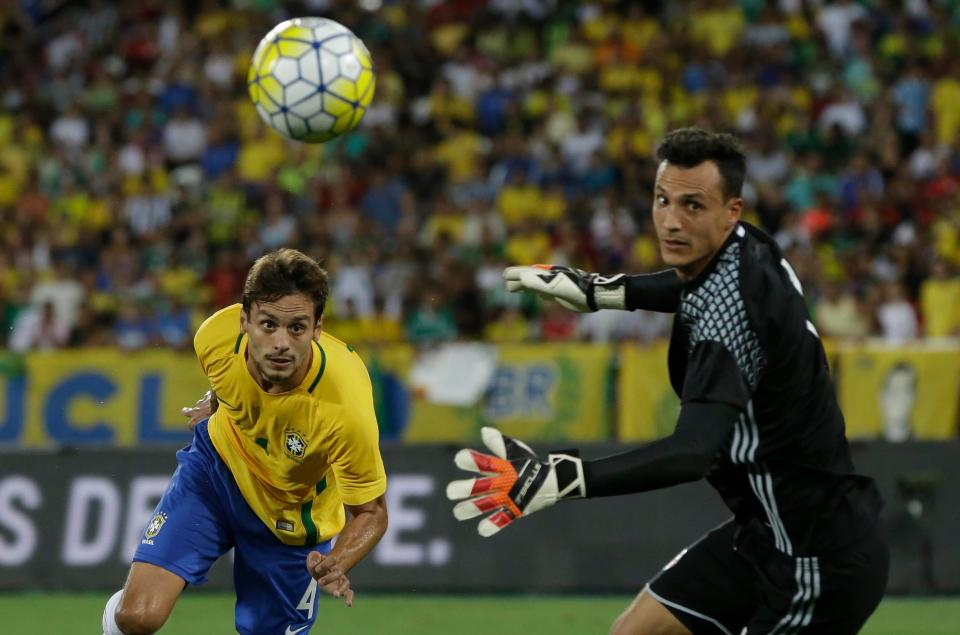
(735, 582)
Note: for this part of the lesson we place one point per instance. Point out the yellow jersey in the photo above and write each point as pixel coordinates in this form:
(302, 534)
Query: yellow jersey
(296, 456)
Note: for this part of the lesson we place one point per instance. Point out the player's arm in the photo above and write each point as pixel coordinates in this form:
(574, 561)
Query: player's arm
(205, 406)
(581, 291)
(684, 456)
(515, 481)
(365, 527)
(715, 394)
(361, 482)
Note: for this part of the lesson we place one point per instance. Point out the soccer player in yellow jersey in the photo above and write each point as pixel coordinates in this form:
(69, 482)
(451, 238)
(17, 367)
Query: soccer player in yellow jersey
(291, 443)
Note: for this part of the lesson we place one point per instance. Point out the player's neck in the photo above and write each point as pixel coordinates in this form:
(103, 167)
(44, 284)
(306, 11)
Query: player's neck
(690, 272)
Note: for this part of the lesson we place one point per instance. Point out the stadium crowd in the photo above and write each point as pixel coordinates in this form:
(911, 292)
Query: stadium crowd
(137, 182)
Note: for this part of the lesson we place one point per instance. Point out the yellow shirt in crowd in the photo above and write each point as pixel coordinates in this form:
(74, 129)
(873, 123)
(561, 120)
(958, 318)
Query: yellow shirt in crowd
(297, 456)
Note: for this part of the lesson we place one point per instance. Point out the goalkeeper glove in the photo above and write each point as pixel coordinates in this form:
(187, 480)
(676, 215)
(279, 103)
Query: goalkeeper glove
(514, 483)
(572, 288)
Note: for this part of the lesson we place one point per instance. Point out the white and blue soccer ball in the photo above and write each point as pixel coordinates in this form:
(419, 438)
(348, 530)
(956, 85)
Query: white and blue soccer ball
(311, 79)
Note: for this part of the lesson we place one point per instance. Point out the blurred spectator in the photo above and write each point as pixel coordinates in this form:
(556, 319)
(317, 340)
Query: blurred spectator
(836, 19)
(132, 329)
(940, 302)
(173, 326)
(508, 327)
(149, 211)
(352, 281)
(837, 313)
(61, 291)
(345, 323)
(430, 322)
(897, 317)
(613, 326)
(184, 138)
(277, 228)
(557, 324)
(225, 278)
(70, 130)
(911, 96)
(38, 328)
(380, 327)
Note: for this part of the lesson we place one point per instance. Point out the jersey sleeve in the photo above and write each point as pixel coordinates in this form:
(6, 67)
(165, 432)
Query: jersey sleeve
(714, 376)
(727, 359)
(658, 291)
(355, 448)
(216, 339)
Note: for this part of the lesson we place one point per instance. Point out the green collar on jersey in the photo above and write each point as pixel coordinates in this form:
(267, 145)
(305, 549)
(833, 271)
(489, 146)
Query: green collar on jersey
(323, 364)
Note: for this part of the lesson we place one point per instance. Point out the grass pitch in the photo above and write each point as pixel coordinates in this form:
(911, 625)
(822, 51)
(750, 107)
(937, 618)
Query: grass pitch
(201, 613)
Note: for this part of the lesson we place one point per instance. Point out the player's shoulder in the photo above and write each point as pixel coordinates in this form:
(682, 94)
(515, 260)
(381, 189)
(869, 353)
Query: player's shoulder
(765, 275)
(219, 333)
(342, 362)
(771, 291)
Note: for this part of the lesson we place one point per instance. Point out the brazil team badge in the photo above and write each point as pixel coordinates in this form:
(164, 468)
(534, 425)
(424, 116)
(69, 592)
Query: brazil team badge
(294, 444)
(154, 527)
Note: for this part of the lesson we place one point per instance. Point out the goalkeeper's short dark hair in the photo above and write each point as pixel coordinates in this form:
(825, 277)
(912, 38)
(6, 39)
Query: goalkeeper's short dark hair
(286, 272)
(689, 147)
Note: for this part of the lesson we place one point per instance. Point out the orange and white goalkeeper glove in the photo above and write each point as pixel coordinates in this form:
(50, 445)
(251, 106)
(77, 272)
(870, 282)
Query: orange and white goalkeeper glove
(514, 482)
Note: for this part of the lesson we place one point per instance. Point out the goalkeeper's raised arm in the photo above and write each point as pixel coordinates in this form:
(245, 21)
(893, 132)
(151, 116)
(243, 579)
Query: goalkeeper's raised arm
(582, 291)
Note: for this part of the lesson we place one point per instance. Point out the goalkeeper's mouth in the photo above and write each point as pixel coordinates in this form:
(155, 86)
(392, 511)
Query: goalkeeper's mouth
(672, 244)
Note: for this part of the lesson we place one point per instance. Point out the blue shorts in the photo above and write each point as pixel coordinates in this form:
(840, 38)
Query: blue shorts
(201, 516)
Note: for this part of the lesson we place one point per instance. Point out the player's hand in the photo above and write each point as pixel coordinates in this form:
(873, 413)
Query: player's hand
(329, 576)
(572, 288)
(201, 410)
(513, 483)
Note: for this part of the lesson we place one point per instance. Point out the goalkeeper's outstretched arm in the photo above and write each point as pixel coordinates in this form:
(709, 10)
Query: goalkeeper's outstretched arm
(658, 291)
(581, 291)
(684, 456)
(514, 481)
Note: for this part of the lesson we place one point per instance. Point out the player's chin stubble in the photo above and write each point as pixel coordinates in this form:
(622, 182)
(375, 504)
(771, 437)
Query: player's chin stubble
(274, 376)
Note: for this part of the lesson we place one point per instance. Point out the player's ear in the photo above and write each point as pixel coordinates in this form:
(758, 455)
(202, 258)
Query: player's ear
(318, 328)
(734, 211)
(243, 319)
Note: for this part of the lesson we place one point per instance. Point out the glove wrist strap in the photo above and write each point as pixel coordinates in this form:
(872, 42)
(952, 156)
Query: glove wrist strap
(608, 293)
(571, 482)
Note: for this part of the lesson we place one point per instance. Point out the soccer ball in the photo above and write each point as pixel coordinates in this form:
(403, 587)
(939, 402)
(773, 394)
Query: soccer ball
(311, 79)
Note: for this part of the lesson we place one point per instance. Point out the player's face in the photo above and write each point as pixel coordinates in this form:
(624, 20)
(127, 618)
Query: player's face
(280, 335)
(692, 215)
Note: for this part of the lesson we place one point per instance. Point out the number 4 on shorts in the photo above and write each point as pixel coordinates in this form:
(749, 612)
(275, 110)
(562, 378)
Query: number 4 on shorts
(308, 599)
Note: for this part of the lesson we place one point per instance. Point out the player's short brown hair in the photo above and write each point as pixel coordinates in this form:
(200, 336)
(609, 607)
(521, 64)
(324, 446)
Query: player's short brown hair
(689, 147)
(286, 272)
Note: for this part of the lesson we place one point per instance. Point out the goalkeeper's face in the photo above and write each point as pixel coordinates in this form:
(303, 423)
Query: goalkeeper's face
(280, 344)
(692, 215)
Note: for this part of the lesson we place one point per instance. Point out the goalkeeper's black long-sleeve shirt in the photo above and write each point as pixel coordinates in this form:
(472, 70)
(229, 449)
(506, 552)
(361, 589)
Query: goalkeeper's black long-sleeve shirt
(759, 416)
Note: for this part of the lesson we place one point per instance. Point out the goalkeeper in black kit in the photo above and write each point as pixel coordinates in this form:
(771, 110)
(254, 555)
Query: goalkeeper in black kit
(805, 551)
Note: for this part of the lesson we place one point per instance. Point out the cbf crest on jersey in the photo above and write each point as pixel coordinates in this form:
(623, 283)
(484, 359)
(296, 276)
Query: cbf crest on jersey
(294, 444)
(154, 527)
